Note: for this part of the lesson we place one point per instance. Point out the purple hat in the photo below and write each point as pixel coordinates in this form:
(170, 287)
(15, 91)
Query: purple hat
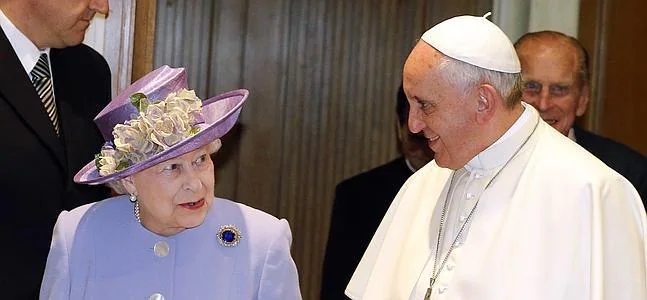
(140, 133)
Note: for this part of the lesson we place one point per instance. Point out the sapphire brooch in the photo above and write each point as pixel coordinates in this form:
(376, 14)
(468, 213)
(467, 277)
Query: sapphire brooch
(229, 235)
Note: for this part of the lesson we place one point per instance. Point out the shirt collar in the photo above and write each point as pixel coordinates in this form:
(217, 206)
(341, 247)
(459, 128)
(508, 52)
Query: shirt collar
(502, 149)
(571, 135)
(409, 165)
(25, 49)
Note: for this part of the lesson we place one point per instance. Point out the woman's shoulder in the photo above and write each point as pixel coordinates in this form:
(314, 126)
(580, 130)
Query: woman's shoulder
(74, 223)
(105, 206)
(76, 214)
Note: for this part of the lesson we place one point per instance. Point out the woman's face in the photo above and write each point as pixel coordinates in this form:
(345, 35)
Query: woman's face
(176, 194)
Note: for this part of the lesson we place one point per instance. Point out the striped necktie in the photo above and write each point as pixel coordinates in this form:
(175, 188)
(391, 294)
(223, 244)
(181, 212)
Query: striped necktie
(42, 80)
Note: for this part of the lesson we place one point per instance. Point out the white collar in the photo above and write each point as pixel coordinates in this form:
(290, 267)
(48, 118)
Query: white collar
(571, 135)
(25, 49)
(503, 148)
(409, 165)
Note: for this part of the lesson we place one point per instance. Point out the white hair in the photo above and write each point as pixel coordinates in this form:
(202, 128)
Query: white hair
(465, 76)
(117, 186)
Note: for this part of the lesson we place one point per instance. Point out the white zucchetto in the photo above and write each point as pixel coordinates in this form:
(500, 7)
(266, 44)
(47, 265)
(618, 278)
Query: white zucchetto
(476, 41)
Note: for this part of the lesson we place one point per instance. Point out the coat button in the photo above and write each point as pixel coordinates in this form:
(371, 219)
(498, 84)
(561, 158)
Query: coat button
(161, 249)
(462, 219)
(156, 296)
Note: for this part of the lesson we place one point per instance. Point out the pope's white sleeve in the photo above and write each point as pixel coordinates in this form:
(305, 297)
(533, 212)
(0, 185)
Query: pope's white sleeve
(619, 255)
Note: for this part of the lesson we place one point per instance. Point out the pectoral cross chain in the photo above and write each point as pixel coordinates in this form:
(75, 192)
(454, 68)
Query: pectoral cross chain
(428, 293)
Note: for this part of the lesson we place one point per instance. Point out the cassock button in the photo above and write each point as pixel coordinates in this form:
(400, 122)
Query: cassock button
(156, 296)
(442, 289)
(161, 249)
(462, 218)
(449, 266)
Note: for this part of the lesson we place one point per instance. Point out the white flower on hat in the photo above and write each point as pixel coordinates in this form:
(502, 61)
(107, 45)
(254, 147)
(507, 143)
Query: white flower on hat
(159, 126)
(131, 140)
(107, 161)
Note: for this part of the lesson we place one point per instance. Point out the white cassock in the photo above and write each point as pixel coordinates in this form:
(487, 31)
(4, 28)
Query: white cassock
(555, 223)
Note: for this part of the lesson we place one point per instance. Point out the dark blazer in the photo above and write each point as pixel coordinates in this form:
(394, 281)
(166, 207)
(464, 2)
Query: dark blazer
(624, 160)
(36, 166)
(360, 203)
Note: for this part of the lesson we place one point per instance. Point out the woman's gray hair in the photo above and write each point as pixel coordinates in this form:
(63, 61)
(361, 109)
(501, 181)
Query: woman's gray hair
(117, 186)
(465, 76)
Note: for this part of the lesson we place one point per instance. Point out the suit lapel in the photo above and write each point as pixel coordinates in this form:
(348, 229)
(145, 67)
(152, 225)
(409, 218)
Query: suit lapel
(63, 95)
(17, 89)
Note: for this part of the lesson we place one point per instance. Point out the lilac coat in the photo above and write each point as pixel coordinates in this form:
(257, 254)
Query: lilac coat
(99, 251)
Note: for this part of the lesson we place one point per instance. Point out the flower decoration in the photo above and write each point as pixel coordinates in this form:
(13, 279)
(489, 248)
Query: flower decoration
(158, 126)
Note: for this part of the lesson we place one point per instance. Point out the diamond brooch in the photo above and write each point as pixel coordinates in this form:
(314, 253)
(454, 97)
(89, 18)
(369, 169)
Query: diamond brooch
(229, 235)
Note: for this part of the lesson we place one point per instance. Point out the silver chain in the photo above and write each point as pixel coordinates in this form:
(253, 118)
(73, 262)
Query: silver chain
(441, 236)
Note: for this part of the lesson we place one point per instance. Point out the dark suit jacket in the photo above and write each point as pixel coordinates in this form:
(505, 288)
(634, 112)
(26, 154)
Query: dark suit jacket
(624, 160)
(360, 203)
(36, 166)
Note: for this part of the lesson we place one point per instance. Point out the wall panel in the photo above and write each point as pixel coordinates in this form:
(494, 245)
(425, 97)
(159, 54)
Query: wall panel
(623, 109)
(607, 31)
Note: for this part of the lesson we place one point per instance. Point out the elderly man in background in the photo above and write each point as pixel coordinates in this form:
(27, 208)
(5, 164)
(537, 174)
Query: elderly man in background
(509, 208)
(555, 70)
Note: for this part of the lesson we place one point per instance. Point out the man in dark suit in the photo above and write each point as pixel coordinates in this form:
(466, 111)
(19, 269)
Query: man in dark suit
(361, 202)
(554, 67)
(51, 87)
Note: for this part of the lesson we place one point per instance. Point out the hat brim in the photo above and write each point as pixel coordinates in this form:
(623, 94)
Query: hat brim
(220, 114)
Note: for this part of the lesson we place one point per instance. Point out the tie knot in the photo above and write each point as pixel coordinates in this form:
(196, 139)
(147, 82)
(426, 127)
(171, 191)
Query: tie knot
(41, 70)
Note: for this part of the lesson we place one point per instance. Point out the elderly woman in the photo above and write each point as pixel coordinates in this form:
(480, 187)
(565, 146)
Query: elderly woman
(169, 238)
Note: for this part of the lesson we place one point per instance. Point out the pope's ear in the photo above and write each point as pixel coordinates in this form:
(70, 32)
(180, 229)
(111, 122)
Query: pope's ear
(482, 103)
(486, 103)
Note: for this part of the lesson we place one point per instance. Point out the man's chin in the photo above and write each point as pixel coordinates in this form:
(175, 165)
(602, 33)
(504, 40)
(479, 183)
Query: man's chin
(562, 129)
(558, 125)
(72, 40)
(445, 164)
